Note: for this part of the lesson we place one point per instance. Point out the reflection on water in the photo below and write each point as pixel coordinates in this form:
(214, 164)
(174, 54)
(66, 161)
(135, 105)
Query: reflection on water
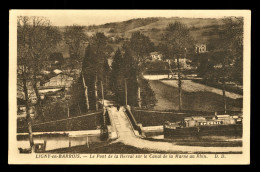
(62, 141)
(160, 136)
(153, 134)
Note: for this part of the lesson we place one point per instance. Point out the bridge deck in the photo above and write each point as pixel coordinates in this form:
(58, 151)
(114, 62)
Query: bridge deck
(126, 135)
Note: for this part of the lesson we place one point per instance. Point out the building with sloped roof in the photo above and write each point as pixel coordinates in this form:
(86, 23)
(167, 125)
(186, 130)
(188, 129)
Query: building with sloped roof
(54, 80)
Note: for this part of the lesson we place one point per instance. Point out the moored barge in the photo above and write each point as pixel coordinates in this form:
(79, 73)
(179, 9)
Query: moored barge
(198, 126)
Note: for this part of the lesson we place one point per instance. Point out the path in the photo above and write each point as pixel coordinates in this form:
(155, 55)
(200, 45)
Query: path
(190, 86)
(127, 136)
(194, 97)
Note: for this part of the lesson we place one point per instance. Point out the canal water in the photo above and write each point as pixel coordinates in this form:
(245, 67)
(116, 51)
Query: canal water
(58, 141)
(160, 136)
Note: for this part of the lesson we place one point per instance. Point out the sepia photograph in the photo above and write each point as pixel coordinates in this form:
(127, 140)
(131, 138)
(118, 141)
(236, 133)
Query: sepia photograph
(129, 86)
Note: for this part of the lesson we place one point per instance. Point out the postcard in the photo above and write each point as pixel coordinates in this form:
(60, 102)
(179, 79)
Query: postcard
(129, 87)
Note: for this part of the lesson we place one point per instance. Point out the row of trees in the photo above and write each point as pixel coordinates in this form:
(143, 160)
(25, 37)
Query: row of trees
(127, 67)
(127, 72)
(95, 69)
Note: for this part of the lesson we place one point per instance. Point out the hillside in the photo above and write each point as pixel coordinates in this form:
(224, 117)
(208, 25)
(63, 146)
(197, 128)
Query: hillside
(202, 29)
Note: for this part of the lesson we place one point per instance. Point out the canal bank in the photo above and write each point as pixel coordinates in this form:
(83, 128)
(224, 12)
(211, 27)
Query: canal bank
(197, 99)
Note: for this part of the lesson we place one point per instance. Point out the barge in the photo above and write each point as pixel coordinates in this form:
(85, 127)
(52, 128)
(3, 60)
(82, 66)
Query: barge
(198, 126)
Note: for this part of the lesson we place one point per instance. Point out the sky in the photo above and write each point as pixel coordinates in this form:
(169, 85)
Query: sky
(97, 17)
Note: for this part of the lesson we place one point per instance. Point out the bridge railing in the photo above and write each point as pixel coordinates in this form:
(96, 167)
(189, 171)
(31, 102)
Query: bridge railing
(105, 128)
(132, 119)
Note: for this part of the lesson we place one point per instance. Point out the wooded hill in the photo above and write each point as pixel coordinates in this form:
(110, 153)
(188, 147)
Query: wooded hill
(201, 29)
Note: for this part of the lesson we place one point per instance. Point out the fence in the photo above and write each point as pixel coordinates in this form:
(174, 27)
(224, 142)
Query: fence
(90, 121)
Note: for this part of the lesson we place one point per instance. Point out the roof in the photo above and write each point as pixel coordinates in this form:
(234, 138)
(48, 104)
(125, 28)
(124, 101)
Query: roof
(50, 91)
(57, 71)
(155, 53)
(46, 78)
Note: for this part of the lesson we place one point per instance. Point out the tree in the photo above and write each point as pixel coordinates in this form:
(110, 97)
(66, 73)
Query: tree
(130, 75)
(124, 78)
(78, 97)
(205, 66)
(116, 69)
(76, 39)
(229, 54)
(89, 75)
(141, 47)
(233, 33)
(164, 48)
(36, 39)
(121, 74)
(95, 66)
(57, 59)
(177, 42)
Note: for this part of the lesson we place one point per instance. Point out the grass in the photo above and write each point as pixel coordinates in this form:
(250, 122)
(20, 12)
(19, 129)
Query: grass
(168, 98)
(103, 148)
(118, 148)
(219, 86)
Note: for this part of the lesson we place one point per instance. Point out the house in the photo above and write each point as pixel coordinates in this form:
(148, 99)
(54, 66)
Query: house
(54, 93)
(54, 85)
(56, 80)
(156, 56)
(200, 48)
